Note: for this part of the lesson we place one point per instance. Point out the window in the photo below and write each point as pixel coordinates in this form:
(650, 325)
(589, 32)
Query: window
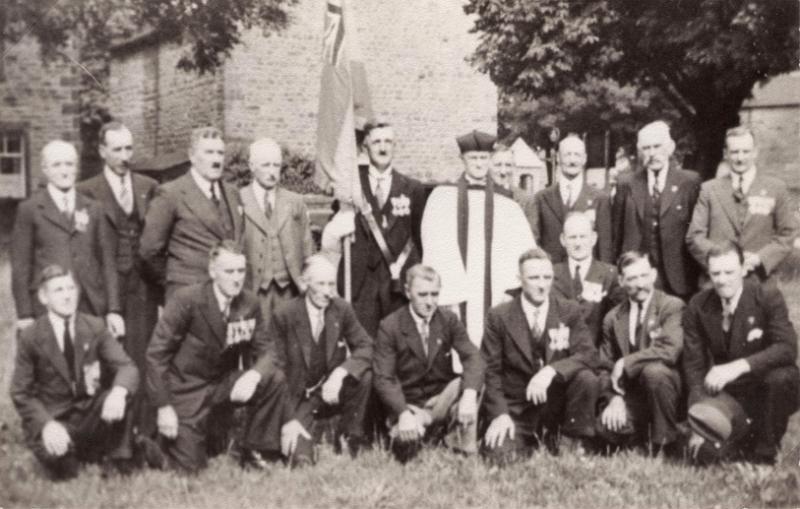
(12, 153)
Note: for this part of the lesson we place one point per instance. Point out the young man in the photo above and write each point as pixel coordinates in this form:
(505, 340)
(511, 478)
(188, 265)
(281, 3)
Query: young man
(414, 374)
(63, 360)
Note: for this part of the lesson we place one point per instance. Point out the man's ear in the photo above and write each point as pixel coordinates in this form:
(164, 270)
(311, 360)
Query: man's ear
(671, 146)
(42, 295)
(407, 291)
(562, 241)
(593, 238)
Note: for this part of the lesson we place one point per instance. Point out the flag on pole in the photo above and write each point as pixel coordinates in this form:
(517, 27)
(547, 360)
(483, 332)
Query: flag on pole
(344, 105)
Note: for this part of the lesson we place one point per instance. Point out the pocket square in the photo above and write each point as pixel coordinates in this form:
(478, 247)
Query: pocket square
(91, 377)
(754, 334)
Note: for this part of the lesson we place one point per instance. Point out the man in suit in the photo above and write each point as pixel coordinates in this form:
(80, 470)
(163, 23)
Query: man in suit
(190, 215)
(209, 354)
(414, 374)
(64, 360)
(126, 196)
(56, 225)
(652, 210)
(313, 335)
(277, 235)
(753, 210)
(740, 344)
(640, 349)
(386, 229)
(502, 172)
(571, 193)
(582, 278)
(539, 360)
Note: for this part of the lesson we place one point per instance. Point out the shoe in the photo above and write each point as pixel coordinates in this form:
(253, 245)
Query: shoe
(250, 459)
(112, 467)
(149, 449)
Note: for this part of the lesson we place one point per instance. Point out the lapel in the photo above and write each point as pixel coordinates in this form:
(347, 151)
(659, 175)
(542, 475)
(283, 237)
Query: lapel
(376, 211)
(622, 328)
(395, 191)
(756, 187)
(46, 337)
(282, 208)
(595, 273)
(650, 315)
(585, 199)
(106, 195)
(202, 207)
(724, 190)
(302, 328)
(213, 315)
(667, 194)
(552, 321)
(81, 343)
(553, 199)
(562, 280)
(139, 195)
(518, 328)
(252, 210)
(739, 325)
(53, 214)
(435, 334)
(713, 322)
(412, 338)
(232, 200)
(332, 331)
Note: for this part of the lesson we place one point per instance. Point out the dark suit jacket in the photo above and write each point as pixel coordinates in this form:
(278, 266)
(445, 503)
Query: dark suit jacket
(677, 203)
(294, 234)
(549, 214)
(290, 329)
(761, 333)
(188, 356)
(181, 226)
(404, 374)
(43, 236)
(510, 363)
(600, 273)
(40, 386)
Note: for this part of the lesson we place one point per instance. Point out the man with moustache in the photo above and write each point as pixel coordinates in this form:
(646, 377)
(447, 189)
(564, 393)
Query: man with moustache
(640, 349)
(652, 210)
(472, 237)
(414, 375)
(58, 226)
(571, 194)
(740, 356)
(753, 210)
(326, 355)
(385, 230)
(190, 215)
(126, 197)
(581, 277)
(539, 368)
(277, 235)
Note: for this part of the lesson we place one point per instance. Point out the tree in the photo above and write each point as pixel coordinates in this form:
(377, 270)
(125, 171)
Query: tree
(702, 57)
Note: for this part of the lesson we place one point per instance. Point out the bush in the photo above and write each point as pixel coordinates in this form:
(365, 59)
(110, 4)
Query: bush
(297, 172)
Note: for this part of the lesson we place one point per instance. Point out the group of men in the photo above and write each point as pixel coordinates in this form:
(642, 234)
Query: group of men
(460, 330)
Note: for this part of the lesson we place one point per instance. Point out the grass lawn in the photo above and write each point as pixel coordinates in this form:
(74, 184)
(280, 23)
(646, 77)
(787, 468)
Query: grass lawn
(436, 479)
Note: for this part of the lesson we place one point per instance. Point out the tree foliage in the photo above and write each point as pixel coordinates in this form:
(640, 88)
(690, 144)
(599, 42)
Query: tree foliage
(702, 57)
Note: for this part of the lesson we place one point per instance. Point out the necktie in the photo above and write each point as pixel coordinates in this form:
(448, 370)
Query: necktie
(226, 310)
(319, 324)
(569, 195)
(639, 323)
(214, 197)
(738, 188)
(69, 350)
(577, 284)
(267, 206)
(380, 192)
(727, 316)
(66, 206)
(125, 197)
(536, 331)
(656, 187)
(424, 333)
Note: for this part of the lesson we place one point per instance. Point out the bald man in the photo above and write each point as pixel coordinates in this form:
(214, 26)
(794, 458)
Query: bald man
(571, 194)
(277, 234)
(652, 210)
(58, 226)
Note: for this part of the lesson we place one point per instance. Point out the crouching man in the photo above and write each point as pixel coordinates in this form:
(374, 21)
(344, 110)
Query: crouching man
(739, 357)
(209, 354)
(539, 359)
(67, 414)
(414, 375)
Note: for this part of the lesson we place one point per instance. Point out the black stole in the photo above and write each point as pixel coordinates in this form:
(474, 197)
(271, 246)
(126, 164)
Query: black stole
(462, 211)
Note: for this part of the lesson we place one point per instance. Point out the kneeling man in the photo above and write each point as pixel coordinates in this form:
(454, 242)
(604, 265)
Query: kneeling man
(68, 415)
(209, 354)
(539, 367)
(313, 335)
(414, 375)
(740, 358)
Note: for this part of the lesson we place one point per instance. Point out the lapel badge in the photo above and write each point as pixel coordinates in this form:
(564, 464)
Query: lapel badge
(438, 341)
(240, 210)
(401, 205)
(651, 323)
(751, 320)
(86, 347)
(674, 189)
(589, 202)
(679, 207)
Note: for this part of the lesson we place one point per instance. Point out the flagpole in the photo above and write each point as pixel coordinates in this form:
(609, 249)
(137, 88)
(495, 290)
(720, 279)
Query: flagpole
(348, 271)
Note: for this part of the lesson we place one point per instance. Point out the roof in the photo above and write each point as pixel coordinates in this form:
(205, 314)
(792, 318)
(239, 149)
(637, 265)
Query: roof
(524, 156)
(782, 90)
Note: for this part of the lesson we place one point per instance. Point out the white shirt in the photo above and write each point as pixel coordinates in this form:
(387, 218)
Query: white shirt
(421, 323)
(204, 184)
(223, 301)
(584, 267)
(115, 182)
(651, 180)
(58, 327)
(747, 179)
(634, 317)
(565, 186)
(734, 301)
(384, 176)
(58, 197)
(260, 191)
(529, 309)
(314, 317)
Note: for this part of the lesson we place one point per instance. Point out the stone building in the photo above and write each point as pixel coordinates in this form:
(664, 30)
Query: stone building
(414, 53)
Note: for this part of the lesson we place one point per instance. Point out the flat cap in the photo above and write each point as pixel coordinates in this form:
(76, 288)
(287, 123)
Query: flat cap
(476, 141)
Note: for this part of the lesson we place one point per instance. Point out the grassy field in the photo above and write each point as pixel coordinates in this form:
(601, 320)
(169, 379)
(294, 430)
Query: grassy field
(436, 479)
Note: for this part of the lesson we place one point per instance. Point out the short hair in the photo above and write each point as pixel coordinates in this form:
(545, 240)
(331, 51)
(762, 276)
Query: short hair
(50, 145)
(316, 260)
(423, 272)
(577, 214)
(629, 258)
(501, 147)
(203, 133)
(533, 254)
(659, 126)
(571, 137)
(264, 143)
(113, 125)
(739, 130)
(725, 247)
(373, 124)
(52, 271)
(227, 246)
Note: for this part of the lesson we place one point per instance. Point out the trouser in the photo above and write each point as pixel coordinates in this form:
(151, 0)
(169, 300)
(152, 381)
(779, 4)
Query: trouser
(273, 297)
(569, 410)
(353, 399)
(92, 439)
(262, 427)
(651, 401)
(377, 298)
(444, 426)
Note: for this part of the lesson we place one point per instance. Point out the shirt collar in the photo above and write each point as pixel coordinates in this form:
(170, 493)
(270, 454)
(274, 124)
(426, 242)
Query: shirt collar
(662, 177)
(583, 264)
(529, 309)
(223, 301)
(644, 304)
(113, 178)
(564, 186)
(57, 322)
(260, 191)
(313, 310)
(58, 195)
(203, 183)
(734, 300)
(747, 178)
(375, 173)
(418, 320)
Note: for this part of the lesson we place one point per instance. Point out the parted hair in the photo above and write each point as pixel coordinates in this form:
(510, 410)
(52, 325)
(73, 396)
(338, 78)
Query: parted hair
(725, 247)
(423, 272)
(52, 271)
(113, 125)
(533, 254)
(629, 258)
(202, 133)
(739, 130)
(228, 246)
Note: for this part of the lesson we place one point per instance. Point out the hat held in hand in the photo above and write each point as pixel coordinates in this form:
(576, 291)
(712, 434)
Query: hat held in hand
(718, 419)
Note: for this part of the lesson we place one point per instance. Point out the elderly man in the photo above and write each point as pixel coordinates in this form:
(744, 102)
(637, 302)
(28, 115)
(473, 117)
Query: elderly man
(740, 354)
(326, 355)
(539, 368)
(571, 194)
(652, 210)
(56, 225)
(191, 214)
(69, 412)
(472, 236)
(209, 354)
(277, 234)
(126, 197)
(641, 344)
(751, 209)
(414, 374)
